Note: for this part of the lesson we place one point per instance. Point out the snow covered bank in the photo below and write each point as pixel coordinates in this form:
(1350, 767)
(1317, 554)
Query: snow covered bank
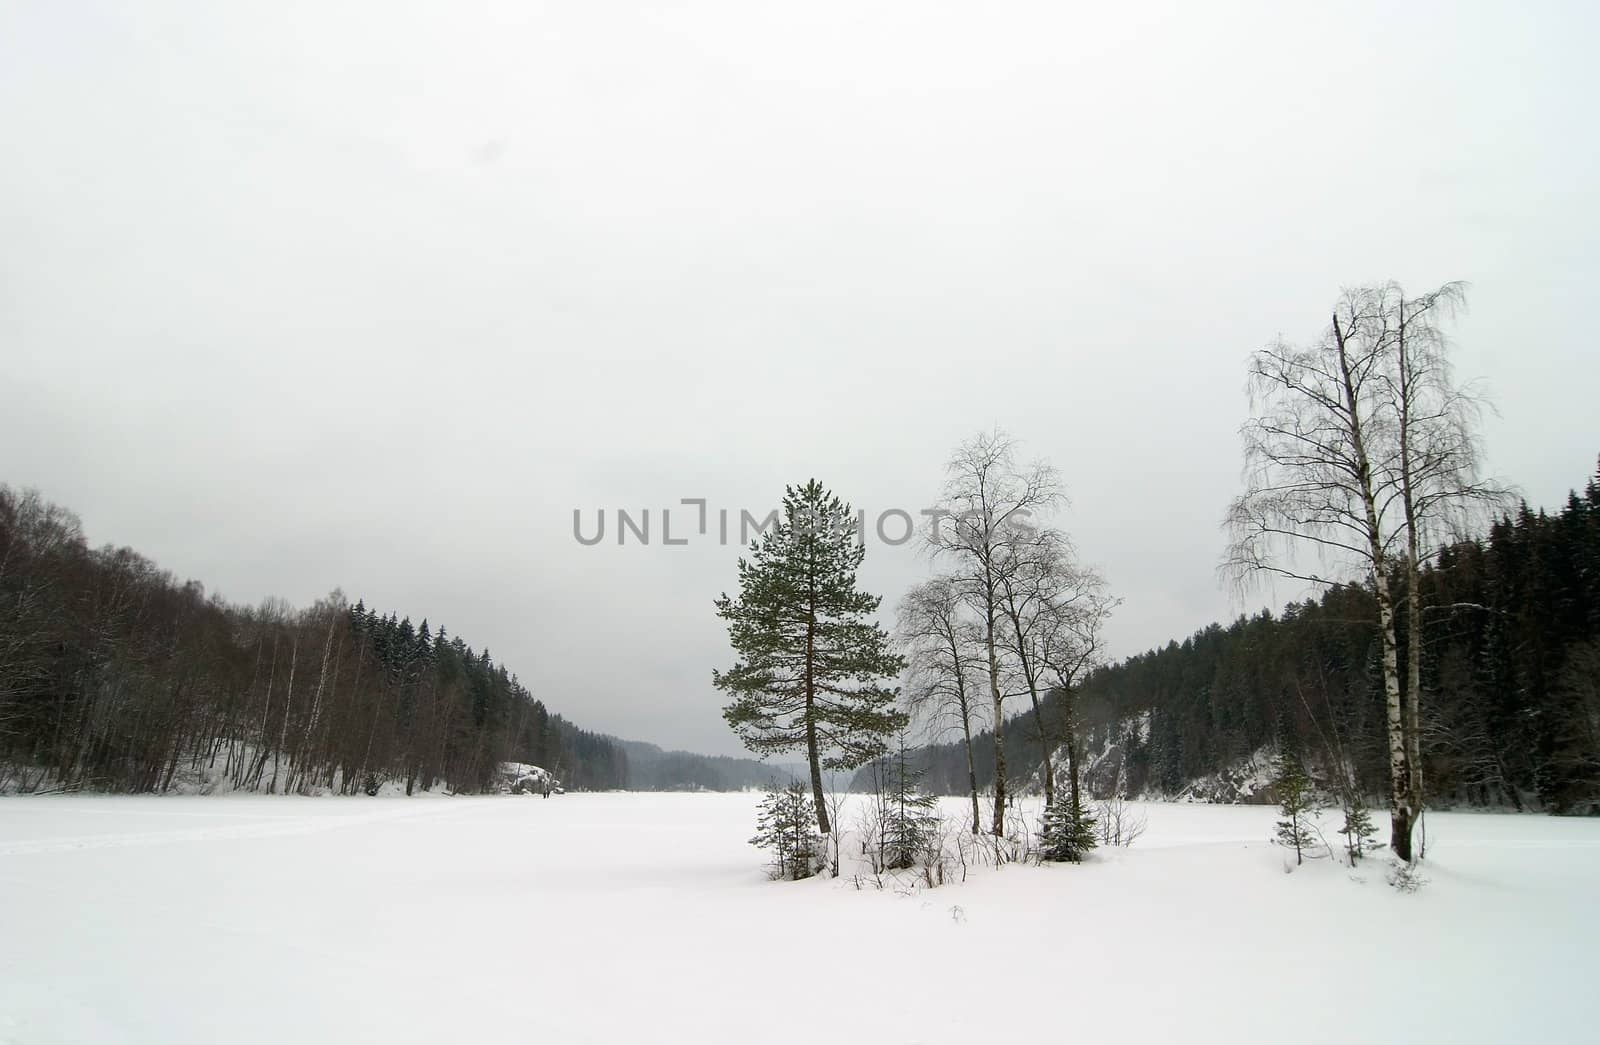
(253, 919)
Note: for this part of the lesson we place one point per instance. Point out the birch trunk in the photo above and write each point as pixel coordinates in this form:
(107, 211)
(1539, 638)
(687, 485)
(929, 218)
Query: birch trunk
(972, 772)
(288, 706)
(999, 825)
(1014, 616)
(1401, 812)
(1413, 718)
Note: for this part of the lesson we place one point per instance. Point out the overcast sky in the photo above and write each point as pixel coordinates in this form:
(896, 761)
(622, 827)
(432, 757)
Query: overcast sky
(303, 296)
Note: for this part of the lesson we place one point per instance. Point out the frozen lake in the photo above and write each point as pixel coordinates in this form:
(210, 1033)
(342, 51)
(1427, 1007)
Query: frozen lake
(648, 917)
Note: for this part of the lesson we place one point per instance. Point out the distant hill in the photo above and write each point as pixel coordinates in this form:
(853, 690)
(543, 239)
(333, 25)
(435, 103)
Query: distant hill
(114, 676)
(650, 768)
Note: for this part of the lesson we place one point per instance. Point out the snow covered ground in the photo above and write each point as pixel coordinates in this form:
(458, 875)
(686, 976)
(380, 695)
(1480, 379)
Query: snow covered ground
(647, 917)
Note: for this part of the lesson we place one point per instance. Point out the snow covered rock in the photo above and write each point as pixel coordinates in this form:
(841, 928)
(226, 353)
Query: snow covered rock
(523, 778)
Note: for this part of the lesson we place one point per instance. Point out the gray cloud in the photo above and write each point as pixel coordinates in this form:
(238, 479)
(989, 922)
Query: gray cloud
(374, 298)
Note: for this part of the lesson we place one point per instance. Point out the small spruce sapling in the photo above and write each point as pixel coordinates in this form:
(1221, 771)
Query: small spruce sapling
(786, 826)
(1066, 831)
(1358, 830)
(1297, 803)
(910, 819)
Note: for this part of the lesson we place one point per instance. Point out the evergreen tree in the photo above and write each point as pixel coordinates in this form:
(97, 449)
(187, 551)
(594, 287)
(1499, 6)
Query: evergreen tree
(811, 660)
(1066, 831)
(910, 818)
(1297, 803)
(784, 826)
(1358, 829)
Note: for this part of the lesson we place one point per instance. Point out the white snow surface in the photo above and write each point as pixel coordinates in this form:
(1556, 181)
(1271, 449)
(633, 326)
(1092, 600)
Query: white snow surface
(648, 917)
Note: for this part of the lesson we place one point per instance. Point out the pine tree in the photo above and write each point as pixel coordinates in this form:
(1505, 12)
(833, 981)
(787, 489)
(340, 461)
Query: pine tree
(784, 826)
(811, 660)
(910, 820)
(1297, 803)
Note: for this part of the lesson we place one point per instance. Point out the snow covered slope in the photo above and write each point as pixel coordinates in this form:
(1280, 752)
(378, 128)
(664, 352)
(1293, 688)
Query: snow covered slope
(267, 920)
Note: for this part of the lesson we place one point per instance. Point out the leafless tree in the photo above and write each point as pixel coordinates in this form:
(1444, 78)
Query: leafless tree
(1069, 642)
(1364, 451)
(1032, 558)
(944, 656)
(833, 840)
(985, 493)
(1319, 467)
(1437, 458)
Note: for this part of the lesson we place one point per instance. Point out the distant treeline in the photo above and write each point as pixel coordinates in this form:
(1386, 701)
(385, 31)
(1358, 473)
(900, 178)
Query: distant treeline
(652, 769)
(115, 676)
(1511, 682)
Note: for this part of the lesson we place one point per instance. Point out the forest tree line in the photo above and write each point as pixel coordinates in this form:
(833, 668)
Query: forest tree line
(1510, 644)
(115, 676)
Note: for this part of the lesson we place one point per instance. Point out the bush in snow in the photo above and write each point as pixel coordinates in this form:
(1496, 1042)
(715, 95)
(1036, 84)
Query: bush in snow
(1120, 823)
(1406, 877)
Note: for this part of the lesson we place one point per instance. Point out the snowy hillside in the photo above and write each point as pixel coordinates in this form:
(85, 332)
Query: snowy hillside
(253, 920)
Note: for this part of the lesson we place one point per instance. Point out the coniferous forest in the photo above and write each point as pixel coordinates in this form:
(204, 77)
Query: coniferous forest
(1511, 681)
(115, 676)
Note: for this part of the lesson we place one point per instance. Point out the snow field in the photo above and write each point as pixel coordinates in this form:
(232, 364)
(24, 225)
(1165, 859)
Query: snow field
(648, 917)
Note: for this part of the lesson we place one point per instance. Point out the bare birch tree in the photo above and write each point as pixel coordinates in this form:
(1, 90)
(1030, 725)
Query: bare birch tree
(944, 656)
(1038, 573)
(985, 493)
(1366, 449)
(1319, 468)
(1437, 460)
(1069, 642)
